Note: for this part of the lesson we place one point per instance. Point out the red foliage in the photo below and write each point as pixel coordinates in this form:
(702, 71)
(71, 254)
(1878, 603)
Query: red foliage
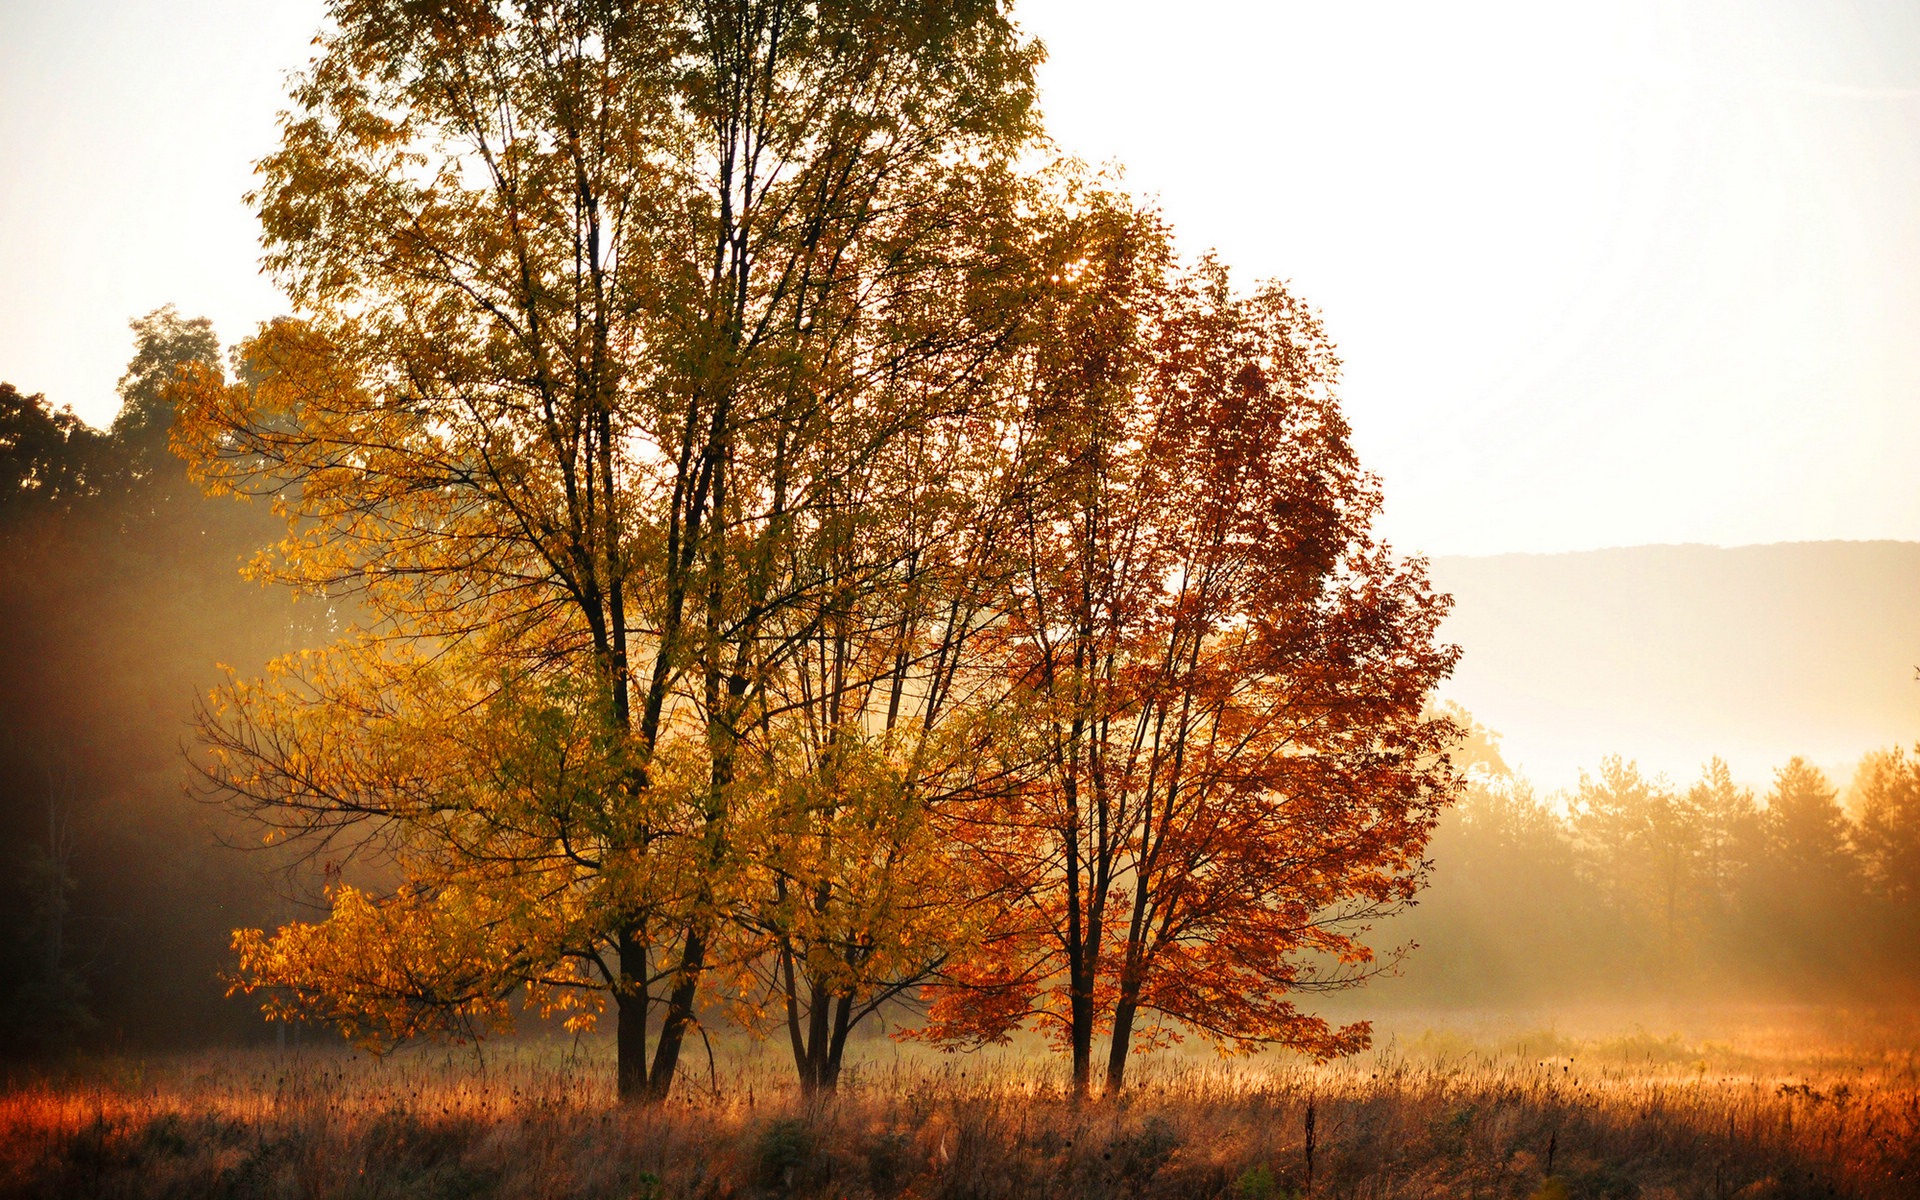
(1220, 676)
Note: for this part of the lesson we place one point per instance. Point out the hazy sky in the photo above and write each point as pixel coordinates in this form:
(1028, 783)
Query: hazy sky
(1601, 275)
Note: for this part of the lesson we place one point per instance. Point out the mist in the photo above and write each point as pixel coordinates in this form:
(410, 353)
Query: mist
(1632, 887)
(122, 599)
(1649, 897)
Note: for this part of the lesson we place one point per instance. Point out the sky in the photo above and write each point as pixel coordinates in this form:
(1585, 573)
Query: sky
(1601, 275)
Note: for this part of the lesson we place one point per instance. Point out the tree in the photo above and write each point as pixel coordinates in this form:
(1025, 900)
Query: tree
(880, 723)
(48, 459)
(164, 343)
(1476, 749)
(607, 308)
(1805, 826)
(1807, 890)
(1888, 835)
(1221, 677)
(1729, 823)
(1644, 842)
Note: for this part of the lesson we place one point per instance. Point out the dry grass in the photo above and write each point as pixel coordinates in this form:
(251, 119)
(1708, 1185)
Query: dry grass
(1536, 1115)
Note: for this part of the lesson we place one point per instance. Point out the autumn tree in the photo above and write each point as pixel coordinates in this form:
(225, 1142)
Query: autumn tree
(615, 319)
(1221, 675)
(879, 721)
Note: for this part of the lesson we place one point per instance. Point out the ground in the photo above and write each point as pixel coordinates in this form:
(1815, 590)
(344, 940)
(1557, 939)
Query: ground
(1803, 1104)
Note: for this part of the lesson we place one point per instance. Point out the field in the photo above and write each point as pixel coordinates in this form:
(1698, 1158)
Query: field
(1784, 1109)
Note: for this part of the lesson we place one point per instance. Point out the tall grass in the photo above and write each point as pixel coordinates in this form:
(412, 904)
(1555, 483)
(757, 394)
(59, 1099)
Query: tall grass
(1540, 1115)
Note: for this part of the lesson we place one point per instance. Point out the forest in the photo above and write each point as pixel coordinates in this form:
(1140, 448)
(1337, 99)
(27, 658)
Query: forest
(746, 586)
(1639, 887)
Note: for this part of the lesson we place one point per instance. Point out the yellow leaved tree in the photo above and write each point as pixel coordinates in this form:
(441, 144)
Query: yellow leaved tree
(644, 358)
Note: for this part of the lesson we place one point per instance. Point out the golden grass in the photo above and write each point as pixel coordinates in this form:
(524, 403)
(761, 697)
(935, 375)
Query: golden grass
(1536, 1114)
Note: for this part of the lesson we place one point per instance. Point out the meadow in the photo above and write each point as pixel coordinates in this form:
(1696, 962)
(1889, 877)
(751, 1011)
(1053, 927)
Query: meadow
(1814, 1106)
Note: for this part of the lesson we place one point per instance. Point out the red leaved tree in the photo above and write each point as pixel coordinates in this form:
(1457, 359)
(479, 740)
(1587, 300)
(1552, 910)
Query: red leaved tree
(1222, 675)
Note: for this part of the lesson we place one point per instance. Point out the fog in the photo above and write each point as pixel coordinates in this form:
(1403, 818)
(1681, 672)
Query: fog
(1689, 891)
(122, 596)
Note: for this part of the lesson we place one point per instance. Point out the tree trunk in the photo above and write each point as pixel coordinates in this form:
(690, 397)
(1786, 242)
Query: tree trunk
(1122, 1043)
(814, 1070)
(1133, 972)
(1083, 1013)
(797, 1039)
(630, 1033)
(820, 1048)
(1079, 970)
(673, 1030)
(1080, 1032)
(836, 1050)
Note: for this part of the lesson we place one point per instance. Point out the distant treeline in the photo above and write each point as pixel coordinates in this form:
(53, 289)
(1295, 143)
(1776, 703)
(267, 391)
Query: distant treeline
(1632, 887)
(121, 593)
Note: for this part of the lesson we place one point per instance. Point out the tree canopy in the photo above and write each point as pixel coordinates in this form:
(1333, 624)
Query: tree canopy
(751, 477)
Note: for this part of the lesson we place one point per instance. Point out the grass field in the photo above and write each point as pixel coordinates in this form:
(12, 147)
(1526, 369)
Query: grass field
(1829, 1107)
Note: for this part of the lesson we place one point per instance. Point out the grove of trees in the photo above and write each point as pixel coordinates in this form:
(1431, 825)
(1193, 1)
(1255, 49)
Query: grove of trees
(1636, 888)
(120, 899)
(801, 554)
(754, 539)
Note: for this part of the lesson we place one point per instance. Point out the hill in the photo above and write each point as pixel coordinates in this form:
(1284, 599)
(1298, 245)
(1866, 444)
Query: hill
(1671, 654)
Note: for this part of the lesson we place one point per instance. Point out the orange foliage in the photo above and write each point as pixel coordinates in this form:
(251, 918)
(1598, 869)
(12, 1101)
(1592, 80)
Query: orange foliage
(1222, 675)
(795, 552)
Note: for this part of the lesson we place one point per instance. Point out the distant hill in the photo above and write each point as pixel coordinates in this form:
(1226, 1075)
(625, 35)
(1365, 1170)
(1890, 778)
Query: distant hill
(1671, 654)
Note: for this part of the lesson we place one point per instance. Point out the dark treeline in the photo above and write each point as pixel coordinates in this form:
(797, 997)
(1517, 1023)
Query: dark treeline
(1638, 888)
(121, 593)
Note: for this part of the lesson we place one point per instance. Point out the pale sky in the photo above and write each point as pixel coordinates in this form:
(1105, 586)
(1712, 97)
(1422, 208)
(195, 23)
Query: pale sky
(1601, 275)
